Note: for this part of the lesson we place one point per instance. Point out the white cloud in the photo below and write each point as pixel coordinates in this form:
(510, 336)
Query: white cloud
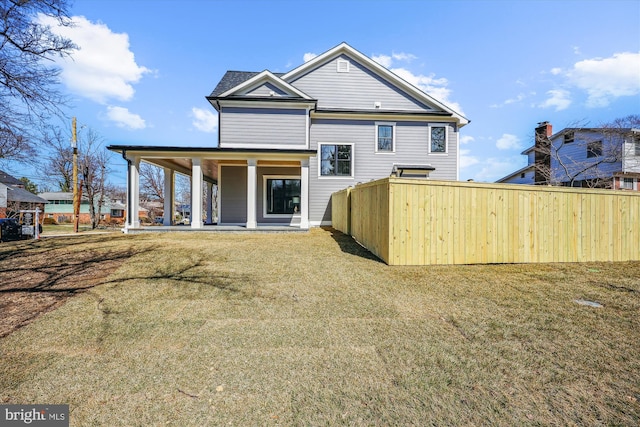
(466, 139)
(558, 98)
(496, 168)
(508, 142)
(308, 56)
(605, 79)
(467, 160)
(204, 120)
(555, 71)
(436, 87)
(384, 60)
(104, 67)
(123, 118)
(408, 57)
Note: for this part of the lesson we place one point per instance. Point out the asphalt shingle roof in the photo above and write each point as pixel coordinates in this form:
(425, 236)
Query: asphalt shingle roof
(16, 194)
(7, 179)
(232, 79)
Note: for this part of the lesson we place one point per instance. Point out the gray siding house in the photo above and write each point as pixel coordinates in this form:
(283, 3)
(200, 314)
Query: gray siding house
(287, 141)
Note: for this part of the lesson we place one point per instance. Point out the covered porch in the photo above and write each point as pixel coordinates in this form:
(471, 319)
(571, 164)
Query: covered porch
(257, 188)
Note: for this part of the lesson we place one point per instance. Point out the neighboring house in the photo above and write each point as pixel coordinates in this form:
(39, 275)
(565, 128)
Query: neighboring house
(582, 157)
(287, 141)
(60, 207)
(13, 197)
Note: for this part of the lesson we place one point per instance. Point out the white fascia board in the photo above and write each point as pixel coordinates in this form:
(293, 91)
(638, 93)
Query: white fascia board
(263, 77)
(382, 117)
(265, 104)
(378, 69)
(154, 156)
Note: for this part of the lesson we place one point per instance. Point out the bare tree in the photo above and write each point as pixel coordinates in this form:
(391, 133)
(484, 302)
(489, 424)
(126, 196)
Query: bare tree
(28, 76)
(93, 164)
(183, 193)
(59, 164)
(115, 192)
(582, 155)
(152, 181)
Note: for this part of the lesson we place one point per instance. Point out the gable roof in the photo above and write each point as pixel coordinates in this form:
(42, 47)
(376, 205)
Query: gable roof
(265, 76)
(344, 49)
(7, 179)
(17, 194)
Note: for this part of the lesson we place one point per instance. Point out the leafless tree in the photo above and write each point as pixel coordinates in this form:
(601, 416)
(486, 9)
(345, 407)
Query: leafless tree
(93, 164)
(93, 167)
(58, 165)
(582, 154)
(28, 76)
(183, 191)
(152, 181)
(115, 192)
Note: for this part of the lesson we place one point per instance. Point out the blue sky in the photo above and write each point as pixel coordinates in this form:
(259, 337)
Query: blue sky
(145, 66)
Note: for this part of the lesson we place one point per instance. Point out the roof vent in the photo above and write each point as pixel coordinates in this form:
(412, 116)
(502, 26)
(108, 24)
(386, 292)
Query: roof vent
(342, 66)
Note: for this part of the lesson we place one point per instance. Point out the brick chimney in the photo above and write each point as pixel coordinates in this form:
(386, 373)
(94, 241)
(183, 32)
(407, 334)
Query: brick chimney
(543, 153)
(544, 129)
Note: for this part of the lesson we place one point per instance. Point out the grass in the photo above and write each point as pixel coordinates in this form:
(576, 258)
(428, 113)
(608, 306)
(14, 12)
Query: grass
(309, 329)
(64, 228)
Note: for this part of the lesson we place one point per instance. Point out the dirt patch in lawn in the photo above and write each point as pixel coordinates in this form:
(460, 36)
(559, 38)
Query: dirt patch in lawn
(37, 277)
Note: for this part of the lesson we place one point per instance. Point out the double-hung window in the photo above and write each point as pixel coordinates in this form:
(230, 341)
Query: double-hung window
(336, 160)
(385, 137)
(594, 149)
(437, 139)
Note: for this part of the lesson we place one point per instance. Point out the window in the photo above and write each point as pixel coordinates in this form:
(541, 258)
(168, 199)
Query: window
(282, 196)
(438, 135)
(594, 149)
(627, 183)
(522, 175)
(385, 137)
(637, 146)
(336, 160)
(569, 137)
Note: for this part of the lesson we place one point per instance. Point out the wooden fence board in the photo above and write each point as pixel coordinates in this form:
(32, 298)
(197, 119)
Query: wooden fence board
(422, 222)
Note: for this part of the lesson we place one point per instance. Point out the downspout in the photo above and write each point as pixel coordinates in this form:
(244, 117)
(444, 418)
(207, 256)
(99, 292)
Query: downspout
(129, 198)
(219, 118)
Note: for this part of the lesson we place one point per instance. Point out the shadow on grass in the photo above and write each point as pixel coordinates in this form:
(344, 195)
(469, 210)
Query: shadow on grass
(349, 245)
(194, 272)
(38, 276)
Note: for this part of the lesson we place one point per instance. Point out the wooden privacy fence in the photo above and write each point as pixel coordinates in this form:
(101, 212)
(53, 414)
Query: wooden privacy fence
(422, 222)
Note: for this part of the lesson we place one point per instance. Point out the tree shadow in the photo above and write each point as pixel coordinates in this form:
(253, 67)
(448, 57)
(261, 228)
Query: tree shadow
(37, 277)
(349, 245)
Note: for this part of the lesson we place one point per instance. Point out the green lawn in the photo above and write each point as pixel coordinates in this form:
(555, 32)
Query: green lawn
(193, 329)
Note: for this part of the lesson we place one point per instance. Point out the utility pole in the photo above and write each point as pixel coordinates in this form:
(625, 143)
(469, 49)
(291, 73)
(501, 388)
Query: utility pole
(76, 197)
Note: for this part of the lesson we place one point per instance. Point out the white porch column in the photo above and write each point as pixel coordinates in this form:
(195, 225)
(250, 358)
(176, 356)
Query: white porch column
(133, 194)
(251, 193)
(169, 196)
(196, 192)
(209, 203)
(304, 193)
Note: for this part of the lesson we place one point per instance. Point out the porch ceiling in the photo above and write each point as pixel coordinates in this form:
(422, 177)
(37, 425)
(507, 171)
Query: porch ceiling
(183, 166)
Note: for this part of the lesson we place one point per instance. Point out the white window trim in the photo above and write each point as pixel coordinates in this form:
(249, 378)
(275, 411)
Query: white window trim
(342, 63)
(393, 138)
(264, 195)
(353, 161)
(446, 139)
